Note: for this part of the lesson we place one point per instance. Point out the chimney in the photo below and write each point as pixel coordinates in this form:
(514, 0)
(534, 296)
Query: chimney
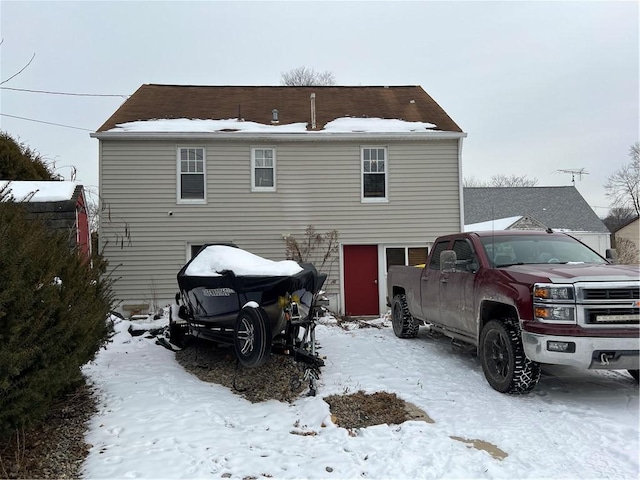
(313, 111)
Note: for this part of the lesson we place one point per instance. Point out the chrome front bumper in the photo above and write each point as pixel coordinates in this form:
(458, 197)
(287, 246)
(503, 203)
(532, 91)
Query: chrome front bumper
(590, 352)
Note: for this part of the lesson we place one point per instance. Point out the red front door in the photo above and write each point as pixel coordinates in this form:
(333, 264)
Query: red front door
(361, 280)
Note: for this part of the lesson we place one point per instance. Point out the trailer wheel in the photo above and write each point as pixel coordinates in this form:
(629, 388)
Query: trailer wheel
(177, 331)
(634, 374)
(252, 337)
(505, 365)
(404, 325)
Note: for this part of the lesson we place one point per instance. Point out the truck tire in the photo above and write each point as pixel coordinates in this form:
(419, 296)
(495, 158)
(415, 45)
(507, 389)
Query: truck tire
(635, 374)
(404, 325)
(252, 337)
(505, 365)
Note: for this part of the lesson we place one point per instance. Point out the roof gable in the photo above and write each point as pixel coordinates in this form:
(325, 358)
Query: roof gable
(560, 208)
(627, 223)
(256, 104)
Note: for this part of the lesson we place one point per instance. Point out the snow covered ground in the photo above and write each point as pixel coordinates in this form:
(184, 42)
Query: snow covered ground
(156, 420)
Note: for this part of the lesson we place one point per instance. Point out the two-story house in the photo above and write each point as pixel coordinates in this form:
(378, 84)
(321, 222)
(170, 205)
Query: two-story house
(181, 166)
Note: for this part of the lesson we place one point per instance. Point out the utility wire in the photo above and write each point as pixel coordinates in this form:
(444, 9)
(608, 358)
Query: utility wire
(63, 93)
(42, 121)
(21, 70)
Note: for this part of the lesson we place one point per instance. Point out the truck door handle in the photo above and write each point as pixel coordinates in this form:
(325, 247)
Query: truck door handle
(444, 280)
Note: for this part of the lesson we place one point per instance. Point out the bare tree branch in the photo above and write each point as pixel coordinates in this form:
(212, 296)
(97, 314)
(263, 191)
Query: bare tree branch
(623, 186)
(502, 180)
(306, 77)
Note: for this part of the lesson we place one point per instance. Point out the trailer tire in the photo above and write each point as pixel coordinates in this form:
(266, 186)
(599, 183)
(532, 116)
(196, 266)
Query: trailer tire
(635, 374)
(177, 331)
(505, 365)
(404, 325)
(252, 337)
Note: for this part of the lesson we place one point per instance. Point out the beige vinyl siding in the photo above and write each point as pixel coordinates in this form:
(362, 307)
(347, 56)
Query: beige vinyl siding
(318, 183)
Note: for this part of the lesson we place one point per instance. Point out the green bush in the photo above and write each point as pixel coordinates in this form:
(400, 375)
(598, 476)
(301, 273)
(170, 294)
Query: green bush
(53, 317)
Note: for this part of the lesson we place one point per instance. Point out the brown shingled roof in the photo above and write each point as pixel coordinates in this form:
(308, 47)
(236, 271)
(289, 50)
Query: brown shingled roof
(409, 103)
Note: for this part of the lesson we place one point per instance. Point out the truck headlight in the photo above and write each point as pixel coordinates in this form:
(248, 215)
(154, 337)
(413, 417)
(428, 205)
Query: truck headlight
(552, 292)
(554, 313)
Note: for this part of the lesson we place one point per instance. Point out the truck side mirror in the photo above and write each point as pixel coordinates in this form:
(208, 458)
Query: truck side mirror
(611, 254)
(448, 260)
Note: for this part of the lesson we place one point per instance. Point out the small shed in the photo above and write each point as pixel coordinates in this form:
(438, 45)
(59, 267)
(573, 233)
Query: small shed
(61, 205)
(626, 239)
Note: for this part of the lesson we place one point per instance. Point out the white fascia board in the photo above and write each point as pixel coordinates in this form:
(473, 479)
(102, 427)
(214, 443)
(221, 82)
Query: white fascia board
(260, 136)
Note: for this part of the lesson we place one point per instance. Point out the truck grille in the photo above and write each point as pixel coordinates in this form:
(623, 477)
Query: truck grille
(617, 316)
(612, 294)
(608, 304)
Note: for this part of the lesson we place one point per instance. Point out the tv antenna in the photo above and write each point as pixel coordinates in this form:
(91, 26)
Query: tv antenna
(574, 171)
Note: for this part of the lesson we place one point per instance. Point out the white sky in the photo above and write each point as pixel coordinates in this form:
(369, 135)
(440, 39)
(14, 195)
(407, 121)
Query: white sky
(537, 86)
(155, 420)
(39, 191)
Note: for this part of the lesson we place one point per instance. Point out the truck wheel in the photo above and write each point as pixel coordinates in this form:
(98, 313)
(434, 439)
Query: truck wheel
(404, 325)
(252, 337)
(505, 365)
(634, 374)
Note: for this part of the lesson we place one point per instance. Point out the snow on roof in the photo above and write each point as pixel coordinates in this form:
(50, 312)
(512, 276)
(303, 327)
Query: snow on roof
(339, 125)
(380, 125)
(215, 259)
(497, 224)
(193, 125)
(38, 191)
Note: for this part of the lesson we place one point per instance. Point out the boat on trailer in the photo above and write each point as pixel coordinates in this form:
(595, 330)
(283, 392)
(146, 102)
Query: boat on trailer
(229, 295)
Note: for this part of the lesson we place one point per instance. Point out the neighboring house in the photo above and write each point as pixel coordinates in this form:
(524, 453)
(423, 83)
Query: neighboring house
(629, 231)
(62, 207)
(181, 166)
(535, 208)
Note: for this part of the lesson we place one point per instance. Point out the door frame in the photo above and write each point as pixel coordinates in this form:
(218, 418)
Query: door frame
(382, 270)
(342, 279)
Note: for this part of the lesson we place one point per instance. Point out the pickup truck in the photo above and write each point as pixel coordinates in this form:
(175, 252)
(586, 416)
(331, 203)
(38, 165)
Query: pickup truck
(520, 299)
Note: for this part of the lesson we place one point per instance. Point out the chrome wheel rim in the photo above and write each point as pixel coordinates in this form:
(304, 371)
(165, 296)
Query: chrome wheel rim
(246, 336)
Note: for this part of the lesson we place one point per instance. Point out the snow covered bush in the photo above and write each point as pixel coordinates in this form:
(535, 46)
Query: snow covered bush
(53, 311)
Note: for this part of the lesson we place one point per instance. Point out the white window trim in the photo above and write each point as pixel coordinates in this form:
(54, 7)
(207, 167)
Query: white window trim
(253, 169)
(384, 199)
(192, 201)
(406, 248)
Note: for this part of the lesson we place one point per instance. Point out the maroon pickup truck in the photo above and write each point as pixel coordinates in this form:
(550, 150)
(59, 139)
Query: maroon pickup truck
(521, 299)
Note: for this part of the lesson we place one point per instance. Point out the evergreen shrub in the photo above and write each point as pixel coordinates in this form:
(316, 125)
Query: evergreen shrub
(54, 311)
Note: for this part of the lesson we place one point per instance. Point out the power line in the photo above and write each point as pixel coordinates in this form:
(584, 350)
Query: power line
(42, 121)
(63, 93)
(21, 70)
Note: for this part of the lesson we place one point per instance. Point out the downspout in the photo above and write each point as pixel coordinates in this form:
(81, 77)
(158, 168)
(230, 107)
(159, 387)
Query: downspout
(461, 184)
(313, 111)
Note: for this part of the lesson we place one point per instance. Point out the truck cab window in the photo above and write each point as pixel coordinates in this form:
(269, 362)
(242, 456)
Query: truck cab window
(434, 263)
(464, 253)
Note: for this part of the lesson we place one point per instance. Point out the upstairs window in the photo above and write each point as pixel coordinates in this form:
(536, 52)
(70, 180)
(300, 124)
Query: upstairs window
(263, 169)
(374, 174)
(191, 175)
